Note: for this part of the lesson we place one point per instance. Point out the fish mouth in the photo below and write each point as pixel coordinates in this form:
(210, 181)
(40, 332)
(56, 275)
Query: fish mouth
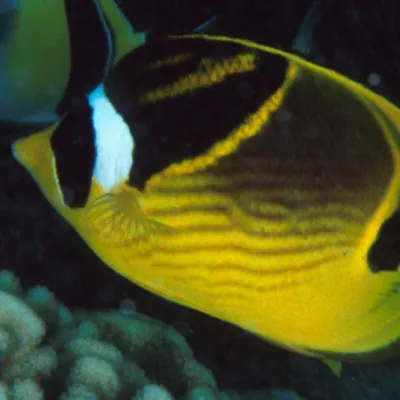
(26, 151)
(31, 151)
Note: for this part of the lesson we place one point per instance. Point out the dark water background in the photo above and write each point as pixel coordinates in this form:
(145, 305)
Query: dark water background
(358, 38)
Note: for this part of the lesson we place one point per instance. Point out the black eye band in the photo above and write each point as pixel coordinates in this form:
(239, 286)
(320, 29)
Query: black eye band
(74, 151)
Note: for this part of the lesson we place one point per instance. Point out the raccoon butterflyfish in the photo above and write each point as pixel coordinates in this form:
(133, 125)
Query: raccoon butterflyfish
(56, 52)
(243, 182)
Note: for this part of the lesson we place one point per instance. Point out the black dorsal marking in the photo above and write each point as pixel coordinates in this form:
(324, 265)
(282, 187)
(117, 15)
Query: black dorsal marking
(384, 254)
(74, 151)
(184, 126)
(91, 50)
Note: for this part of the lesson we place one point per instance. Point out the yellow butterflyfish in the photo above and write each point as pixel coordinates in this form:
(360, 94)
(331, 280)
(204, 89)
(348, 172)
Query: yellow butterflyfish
(241, 181)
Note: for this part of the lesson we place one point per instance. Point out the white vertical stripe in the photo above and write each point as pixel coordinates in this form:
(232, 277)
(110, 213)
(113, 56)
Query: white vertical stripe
(113, 141)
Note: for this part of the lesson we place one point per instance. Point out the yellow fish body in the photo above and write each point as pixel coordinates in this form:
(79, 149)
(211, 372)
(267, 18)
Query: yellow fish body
(241, 181)
(57, 50)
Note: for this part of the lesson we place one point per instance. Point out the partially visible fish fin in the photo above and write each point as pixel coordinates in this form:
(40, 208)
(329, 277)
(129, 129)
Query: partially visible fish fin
(304, 39)
(124, 37)
(203, 27)
(118, 217)
(334, 365)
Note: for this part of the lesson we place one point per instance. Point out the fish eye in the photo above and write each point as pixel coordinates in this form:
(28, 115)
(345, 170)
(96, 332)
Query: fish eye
(73, 148)
(384, 254)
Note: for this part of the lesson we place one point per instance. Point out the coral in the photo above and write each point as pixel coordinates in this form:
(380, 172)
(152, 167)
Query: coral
(46, 351)
(50, 352)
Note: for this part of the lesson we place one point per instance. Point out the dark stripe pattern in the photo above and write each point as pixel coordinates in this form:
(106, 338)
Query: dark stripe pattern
(182, 96)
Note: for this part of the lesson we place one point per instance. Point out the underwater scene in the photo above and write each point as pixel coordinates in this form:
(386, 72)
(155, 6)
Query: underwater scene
(199, 200)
